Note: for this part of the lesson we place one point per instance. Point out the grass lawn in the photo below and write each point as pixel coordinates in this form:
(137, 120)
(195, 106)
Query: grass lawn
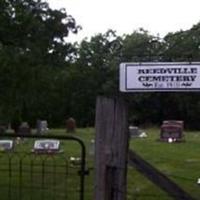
(25, 175)
(179, 161)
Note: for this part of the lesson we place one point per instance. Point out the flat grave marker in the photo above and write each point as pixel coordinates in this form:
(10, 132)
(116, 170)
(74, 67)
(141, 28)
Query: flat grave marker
(6, 145)
(46, 146)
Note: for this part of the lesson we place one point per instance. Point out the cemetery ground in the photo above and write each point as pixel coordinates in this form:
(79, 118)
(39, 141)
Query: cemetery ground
(179, 161)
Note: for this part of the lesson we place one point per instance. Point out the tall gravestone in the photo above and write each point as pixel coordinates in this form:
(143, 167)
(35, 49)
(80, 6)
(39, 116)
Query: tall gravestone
(71, 125)
(41, 127)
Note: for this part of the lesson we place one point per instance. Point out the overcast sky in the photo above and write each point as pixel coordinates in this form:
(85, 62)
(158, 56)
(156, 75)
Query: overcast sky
(125, 16)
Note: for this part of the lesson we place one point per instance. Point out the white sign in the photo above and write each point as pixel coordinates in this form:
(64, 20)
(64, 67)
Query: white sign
(161, 77)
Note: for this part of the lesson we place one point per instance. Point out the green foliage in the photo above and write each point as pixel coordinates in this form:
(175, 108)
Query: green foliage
(178, 161)
(32, 49)
(43, 76)
(140, 46)
(183, 45)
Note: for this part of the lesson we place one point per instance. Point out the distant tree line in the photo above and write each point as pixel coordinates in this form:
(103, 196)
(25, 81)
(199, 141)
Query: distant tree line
(43, 76)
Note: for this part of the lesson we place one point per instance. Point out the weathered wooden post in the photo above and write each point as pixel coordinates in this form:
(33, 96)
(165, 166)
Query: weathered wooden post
(111, 147)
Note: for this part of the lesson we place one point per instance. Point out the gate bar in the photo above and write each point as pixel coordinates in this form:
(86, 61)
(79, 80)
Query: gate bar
(60, 137)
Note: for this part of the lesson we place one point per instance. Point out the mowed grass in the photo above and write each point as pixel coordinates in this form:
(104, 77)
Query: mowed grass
(25, 175)
(179, 161)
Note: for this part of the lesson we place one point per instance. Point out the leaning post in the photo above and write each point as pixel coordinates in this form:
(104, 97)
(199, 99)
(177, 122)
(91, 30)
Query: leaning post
(111, 147)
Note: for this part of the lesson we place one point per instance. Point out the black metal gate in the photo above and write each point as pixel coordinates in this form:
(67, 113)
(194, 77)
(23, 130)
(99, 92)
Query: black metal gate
(28, 175)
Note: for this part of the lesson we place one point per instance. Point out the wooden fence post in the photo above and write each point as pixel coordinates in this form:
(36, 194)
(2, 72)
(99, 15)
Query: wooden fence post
(111, 149)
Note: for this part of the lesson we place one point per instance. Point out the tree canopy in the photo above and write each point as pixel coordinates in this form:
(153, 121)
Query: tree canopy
(32, 48)
(45, 77)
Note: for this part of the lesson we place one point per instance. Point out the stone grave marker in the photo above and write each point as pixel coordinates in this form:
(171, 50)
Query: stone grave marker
(46, 146)
(172, 131)
(6, 145)
(134, 131)
(42, 126)
(71, 125)
(24, 128)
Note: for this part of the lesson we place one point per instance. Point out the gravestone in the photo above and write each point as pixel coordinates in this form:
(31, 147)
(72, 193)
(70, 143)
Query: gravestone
(71, 125)
(172, 131)
(174, 122)
(24, 128)
(6, 145)
(134, 131)
(46, 146)
(42, 126)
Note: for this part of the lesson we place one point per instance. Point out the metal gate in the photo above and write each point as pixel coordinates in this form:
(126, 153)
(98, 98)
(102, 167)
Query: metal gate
(26, 175)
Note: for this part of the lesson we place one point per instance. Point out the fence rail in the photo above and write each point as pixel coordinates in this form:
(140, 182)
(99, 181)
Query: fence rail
(158, 178)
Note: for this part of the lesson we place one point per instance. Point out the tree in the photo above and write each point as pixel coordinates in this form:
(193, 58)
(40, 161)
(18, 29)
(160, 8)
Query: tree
(183, 45)
(94, 73)
(140, 46)
(32, 48)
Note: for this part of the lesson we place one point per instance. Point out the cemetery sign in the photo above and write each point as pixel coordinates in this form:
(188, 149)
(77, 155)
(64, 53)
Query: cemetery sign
(151, 77)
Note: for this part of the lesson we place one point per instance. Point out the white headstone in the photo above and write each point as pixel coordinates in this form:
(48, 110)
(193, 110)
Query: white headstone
(6, 145)
(46, 146)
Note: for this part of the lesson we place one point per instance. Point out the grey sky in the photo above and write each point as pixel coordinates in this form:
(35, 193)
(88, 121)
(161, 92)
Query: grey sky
(125, 16)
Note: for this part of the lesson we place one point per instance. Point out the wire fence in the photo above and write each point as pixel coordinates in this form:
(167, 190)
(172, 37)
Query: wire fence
(28, 175)
(25, 175)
